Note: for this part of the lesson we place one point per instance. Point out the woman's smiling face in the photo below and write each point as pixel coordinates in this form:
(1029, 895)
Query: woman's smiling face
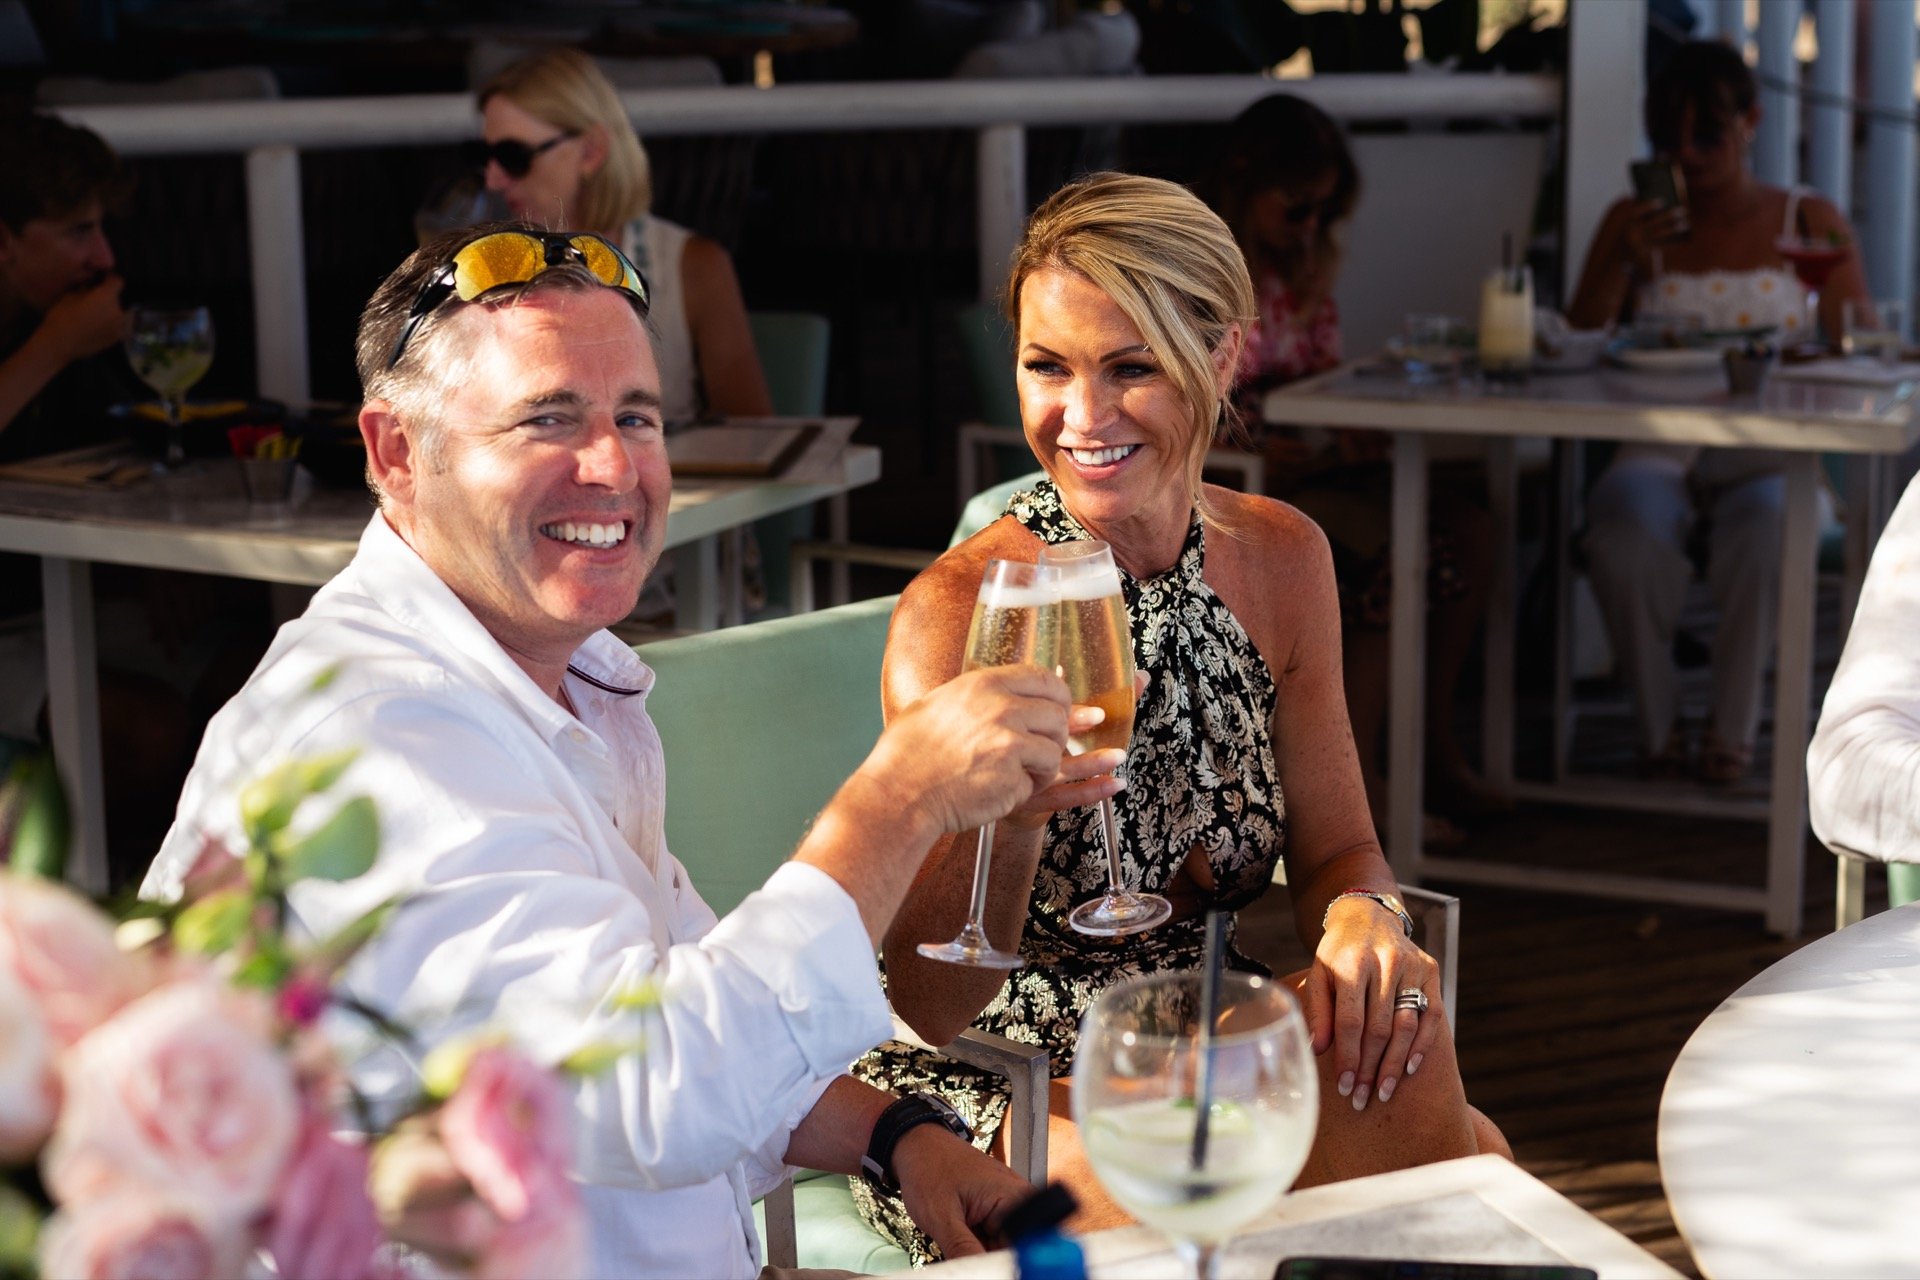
(1104, 417)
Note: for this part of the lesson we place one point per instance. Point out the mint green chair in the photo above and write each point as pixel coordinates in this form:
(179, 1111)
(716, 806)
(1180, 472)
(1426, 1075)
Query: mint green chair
(793, 348)
(761, 724)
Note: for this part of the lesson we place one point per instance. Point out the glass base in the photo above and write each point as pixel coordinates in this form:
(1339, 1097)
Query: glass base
(960, 951)
(1119, 914)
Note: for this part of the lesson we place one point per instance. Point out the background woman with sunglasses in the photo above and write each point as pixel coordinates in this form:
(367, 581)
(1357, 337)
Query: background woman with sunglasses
(1286, 183)
(1714, 255)
(561, 152)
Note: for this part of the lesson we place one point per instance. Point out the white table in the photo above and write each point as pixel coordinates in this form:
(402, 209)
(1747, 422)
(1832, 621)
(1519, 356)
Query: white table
(1476, 1209)
(1790, 1126)
(204, 525)
(1803, 418)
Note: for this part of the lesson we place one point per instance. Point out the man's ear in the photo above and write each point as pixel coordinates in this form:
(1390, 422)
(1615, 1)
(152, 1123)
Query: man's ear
(390, 453)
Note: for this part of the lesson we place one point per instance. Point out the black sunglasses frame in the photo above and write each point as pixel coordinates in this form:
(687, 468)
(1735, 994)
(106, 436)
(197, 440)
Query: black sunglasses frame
(559, 250)
(514, 157)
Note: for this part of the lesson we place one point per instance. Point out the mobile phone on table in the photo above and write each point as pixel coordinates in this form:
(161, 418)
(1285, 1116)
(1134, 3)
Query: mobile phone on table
(1313, 1268)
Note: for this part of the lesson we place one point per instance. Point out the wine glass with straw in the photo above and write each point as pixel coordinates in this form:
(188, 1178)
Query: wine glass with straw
(1093, 649)
(169, 350)
(1197, 1098)
(1010, 616)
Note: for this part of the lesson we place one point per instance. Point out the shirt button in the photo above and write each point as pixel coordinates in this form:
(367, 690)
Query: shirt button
(577, 735)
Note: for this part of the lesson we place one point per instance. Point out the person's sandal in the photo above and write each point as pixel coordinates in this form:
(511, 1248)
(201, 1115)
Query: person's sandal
(1671, 763)
(1722, 763)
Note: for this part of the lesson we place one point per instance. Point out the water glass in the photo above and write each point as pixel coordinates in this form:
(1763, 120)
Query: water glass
(1875, 328)
(1427, 347)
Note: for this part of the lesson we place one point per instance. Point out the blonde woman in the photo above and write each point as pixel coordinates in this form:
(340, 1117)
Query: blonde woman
(561, 152)
(1131, 303)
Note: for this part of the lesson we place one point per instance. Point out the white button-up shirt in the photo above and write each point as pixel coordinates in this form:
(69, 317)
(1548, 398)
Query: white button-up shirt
(528, 849)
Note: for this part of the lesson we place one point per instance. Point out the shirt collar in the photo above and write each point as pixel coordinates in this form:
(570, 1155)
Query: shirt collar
(408, 589)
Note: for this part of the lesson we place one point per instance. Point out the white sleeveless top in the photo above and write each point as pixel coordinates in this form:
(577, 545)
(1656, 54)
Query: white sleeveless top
(656, 246)
(1734, 299)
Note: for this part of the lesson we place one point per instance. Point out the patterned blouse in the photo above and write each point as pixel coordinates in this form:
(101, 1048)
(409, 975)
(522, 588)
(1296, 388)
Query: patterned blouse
(1201, 775)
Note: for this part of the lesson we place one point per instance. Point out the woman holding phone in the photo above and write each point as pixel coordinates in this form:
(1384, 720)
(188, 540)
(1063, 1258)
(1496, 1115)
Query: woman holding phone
(1714, 253)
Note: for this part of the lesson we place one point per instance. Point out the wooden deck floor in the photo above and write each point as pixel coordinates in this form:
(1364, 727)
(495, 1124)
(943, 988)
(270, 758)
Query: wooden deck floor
(1572, 1009)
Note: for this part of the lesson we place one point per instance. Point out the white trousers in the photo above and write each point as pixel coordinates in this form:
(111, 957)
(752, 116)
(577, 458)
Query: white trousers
(1638, 518)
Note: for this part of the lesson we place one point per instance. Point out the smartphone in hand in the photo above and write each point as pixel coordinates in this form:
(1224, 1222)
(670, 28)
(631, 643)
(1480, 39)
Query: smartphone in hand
(1661, 183)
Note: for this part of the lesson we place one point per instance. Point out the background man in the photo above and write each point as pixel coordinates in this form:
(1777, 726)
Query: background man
(515, 441)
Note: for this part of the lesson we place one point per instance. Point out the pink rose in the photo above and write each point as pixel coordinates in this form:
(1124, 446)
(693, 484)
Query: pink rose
(61, 949)
(29, 1090)
(509, 1127)
(550, 1241)
(133, 1235)
(323, 1220)
(183, 1089)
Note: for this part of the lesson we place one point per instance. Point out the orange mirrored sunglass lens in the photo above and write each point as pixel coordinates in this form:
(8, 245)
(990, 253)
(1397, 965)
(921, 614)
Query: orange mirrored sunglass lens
(491, 261)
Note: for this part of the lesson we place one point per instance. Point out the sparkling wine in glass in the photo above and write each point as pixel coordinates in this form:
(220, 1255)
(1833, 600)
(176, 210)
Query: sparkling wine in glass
(1136, 1090)
(170, 350)
(1011, 616)
(1093, 648)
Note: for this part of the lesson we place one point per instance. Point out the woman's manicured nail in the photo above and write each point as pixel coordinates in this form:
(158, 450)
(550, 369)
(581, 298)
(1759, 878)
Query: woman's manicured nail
(1413, 1063)
(1346, 1084)
(1360, 1097)
(1386, 1089)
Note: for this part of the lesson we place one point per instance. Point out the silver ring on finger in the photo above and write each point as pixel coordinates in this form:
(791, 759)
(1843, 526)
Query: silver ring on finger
(1411, 998)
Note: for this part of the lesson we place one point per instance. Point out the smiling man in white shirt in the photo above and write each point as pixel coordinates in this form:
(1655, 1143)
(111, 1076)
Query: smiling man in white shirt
(513, 434)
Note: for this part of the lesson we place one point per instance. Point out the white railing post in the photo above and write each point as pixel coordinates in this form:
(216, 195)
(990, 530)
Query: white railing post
(1001, 200)
(274, 232)
(1606, 51)
(1775, 151)
(1830, 116)
(1888, 224)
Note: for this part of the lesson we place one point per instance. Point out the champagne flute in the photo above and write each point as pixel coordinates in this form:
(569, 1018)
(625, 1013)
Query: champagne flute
(1136, 1087)
(170, 350)
(1010, 615)
(1093, 648)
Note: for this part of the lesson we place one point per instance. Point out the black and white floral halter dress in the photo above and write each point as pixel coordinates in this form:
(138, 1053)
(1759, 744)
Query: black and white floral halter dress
(1201, 775)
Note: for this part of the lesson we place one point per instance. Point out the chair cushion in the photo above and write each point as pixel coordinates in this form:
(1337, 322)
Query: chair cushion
(830, 1230)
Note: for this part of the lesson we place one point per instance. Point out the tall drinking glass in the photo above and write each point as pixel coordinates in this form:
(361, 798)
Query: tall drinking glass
(1011, 616)
(1093, 648)
(170, 351)
(1136, 1097)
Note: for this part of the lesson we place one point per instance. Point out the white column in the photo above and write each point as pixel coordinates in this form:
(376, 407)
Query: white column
(1606, 54)
(274, 231)
(1731, 22)
(1829, 121)
(1774, 145)
(1002, 200)
(1887, 224)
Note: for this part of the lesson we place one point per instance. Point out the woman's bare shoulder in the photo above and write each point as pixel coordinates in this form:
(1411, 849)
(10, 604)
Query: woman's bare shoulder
(1263, 528)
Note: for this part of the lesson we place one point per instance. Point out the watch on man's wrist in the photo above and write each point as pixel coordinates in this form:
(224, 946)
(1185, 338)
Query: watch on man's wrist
(1387, 900)
(901, 1117)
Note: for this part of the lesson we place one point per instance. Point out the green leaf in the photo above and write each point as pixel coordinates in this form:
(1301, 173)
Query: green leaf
(20, 1223)
(267, 803)
(445, 1066)
(636, 996)
(592, 1059)
(33, 805)
(341, 848)
(215, 923)
(267, 970)
(325, 678)
(331, 955)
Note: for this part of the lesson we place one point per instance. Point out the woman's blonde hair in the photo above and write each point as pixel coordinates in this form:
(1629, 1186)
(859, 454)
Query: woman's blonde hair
(1170, 264)
(565, 88)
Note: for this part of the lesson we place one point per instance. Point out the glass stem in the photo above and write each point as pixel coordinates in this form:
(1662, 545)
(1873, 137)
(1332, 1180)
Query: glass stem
(982, 862)
(1202, 1258)
(1109, 827)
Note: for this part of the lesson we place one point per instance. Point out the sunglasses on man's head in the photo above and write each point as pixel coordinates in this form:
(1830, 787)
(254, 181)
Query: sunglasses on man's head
(516, 257)
(514, 157)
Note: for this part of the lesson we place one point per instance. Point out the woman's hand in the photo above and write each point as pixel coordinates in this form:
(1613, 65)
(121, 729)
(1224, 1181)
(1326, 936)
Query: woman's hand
(1649, 225)
(1364, 961)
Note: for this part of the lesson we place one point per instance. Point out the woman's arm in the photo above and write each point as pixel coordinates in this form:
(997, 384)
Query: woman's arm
(723, 350)
(1280, 584)
(1620, 258)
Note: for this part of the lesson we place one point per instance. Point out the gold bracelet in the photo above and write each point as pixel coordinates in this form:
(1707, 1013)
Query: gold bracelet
(1386, 900)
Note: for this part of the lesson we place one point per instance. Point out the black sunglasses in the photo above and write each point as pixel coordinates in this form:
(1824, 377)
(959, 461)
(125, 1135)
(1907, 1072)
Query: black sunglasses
(1324, 210)
(514, 157)
(516, 257)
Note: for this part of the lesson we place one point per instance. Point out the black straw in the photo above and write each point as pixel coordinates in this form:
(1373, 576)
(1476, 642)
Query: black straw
(1210, 967)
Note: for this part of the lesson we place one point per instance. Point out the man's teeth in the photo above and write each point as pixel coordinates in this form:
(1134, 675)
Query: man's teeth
(589, 535)
(1101, 457)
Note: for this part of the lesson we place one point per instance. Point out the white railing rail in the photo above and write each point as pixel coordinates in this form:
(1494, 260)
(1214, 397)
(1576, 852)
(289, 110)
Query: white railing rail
(272, 133)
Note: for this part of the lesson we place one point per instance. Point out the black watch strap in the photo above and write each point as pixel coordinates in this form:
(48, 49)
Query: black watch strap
(900, 1117)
